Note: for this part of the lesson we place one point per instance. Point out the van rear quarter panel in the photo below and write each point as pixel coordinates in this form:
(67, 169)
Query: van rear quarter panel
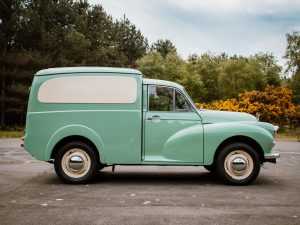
(115, 129)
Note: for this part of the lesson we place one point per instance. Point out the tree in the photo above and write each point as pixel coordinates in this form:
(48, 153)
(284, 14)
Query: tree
(192, 83)
(100, 31)
(152, 65)
(295, 86)
(269, 67)
(164, 47)
(292, 54)
(10, 14)
(208, 71)
(131, 41)
(172, 68)
(239, 75)
(37, 34)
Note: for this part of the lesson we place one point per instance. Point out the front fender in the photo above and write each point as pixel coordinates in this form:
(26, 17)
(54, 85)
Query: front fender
(71, 130)
(186, 145)
(215, 134)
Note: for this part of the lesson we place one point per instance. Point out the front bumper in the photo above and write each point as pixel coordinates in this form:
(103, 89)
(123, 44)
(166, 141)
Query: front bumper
(271, 157)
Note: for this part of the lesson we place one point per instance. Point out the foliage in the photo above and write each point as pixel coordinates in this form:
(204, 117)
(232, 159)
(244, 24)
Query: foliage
(292, 54)
(269, 67)
(274, 105)
(11, 134)
(173, 68)
(295, 86)
(207, 70)
(152, 65)
(239, 75)
(38, 34)
(209, 77)
(164, 47)
(130, 41)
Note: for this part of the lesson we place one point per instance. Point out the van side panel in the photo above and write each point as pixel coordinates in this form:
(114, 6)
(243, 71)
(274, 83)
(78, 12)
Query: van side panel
(115, 129)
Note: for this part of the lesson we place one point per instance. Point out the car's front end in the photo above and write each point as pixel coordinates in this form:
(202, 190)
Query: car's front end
(261, 132)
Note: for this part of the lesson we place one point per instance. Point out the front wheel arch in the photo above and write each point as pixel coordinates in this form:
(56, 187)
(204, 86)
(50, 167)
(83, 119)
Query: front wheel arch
(241, 139)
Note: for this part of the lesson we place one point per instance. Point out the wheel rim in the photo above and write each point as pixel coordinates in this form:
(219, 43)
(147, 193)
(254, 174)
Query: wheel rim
(76, 163)
(238, 165)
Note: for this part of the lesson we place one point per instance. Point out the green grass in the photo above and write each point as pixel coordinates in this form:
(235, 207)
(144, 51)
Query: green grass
(287, 137)
(11, 134)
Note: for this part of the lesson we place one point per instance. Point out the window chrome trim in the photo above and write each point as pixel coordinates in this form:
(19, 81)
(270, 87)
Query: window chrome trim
(188, 100)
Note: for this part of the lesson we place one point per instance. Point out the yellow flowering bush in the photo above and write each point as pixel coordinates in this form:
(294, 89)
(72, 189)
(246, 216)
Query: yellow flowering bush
(274, 105)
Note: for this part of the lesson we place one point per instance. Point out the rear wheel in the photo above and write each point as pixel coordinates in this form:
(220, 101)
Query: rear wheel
(76, 162)
(238, 164)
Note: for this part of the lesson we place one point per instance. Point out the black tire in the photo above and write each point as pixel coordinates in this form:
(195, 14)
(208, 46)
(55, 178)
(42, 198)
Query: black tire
(101, 167)
(211, 168)
(76, 163)
(238, 164)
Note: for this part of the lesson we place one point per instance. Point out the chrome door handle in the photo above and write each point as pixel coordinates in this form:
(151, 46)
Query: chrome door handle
(154, 118)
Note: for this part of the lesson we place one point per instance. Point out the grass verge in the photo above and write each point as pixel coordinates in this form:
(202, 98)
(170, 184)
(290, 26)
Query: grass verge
(287, 137)
(11, 134)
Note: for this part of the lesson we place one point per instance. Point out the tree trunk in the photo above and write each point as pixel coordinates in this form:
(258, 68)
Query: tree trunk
(3, 102)
(21, 117)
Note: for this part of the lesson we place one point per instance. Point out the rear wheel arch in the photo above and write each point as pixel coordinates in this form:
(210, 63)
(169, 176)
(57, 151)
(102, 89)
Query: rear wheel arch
(74, 138)
(77, 132)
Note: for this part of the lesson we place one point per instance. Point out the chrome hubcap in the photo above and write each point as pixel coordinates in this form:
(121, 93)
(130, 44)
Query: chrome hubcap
(76, 163)
(238, 164)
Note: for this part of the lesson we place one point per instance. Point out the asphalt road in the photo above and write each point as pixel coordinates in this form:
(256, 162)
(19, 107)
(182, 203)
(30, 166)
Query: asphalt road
(31, 193)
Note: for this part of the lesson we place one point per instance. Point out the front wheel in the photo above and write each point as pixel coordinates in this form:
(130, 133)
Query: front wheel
(211, 168)
(238, 164)
(76, 162)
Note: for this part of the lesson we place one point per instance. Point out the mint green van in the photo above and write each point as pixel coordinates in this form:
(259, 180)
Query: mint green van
(83, 119)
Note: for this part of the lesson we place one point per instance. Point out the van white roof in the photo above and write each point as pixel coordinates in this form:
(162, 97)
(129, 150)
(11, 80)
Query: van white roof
(162, 82)
(66, 70)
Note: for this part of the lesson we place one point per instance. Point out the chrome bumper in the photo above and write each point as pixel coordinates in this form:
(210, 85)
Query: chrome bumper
(271, 157)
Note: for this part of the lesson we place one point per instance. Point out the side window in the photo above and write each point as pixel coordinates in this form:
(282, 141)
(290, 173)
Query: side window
(160, 98)
(163, 98)
(180, 102)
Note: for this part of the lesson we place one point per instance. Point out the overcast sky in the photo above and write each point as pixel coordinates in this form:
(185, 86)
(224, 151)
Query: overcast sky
(241, 27)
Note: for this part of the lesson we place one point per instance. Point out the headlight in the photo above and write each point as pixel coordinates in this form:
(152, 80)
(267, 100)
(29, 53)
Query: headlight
(257, 116)
(275, 130)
